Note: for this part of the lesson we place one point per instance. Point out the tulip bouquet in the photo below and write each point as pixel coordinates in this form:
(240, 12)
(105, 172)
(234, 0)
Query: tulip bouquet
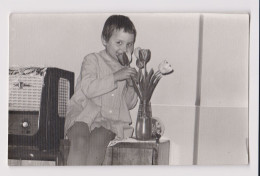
(144, 85)
(147, 81)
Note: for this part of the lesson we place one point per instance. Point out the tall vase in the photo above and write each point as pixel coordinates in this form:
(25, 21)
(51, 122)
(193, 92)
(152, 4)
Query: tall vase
(143, 130)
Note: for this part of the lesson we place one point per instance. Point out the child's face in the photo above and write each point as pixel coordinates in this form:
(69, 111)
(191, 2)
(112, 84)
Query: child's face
(118, 43)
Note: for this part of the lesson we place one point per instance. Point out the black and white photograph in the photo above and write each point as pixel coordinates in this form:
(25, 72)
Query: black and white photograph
(128, 89)
(120, 87)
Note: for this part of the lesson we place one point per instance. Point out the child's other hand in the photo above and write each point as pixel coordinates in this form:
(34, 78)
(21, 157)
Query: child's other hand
(129, 82)
(125, 73)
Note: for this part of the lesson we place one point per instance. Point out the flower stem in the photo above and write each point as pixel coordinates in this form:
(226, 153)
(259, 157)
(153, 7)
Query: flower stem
(145, 86)
(144, 108)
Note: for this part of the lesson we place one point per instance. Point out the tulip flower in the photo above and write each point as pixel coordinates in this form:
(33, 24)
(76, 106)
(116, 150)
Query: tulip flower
(145, 55)
(165, 68)
(139, 64)
(129, 56)
(124, 59)
(136, 52)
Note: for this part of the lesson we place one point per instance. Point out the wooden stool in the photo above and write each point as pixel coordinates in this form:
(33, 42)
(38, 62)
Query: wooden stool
(128, 152)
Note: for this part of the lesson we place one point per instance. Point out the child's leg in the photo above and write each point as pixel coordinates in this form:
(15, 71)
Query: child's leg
(79, 136)
(99, 140)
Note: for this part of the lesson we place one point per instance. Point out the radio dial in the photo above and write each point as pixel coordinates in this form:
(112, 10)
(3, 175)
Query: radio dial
(25, 124)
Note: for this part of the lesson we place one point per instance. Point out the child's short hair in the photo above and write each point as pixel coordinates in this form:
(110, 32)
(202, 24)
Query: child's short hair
(117, 22)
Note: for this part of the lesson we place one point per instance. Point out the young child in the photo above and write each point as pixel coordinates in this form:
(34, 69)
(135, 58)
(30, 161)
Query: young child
(99, 109)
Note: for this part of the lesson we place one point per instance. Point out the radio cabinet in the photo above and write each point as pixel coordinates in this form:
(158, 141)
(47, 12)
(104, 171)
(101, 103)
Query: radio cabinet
(38, 99)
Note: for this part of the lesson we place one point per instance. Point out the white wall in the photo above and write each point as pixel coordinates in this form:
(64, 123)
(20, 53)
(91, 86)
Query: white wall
(224, 99)
(62, 40)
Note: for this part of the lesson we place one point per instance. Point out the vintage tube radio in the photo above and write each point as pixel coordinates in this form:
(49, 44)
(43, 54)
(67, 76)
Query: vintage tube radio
(38, 99)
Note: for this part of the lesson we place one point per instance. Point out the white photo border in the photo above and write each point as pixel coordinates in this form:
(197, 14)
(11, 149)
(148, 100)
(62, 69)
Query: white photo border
(83, 6)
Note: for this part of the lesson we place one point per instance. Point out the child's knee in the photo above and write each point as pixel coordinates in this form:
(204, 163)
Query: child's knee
(79, 142)
(79, 129)
(100, 137)
(79, 136)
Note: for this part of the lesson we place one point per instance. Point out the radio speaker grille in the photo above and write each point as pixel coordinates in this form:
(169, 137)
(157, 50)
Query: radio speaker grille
(25, 92)
(63, 96)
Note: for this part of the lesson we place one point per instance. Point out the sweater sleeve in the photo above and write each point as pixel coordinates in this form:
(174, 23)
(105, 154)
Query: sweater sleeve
(130, 97)
(91, 85)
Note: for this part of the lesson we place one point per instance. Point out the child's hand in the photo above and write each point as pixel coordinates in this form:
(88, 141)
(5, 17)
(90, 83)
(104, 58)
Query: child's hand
(125, 73)
(129, 82)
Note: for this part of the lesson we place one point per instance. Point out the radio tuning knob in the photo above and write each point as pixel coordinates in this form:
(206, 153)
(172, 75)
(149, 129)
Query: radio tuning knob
(25, 124)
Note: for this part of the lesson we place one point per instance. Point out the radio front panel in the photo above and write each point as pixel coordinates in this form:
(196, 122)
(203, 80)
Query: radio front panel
(23, 123)
(25, 91)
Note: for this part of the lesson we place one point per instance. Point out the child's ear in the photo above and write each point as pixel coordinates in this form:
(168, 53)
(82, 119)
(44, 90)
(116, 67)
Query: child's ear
(104, 42)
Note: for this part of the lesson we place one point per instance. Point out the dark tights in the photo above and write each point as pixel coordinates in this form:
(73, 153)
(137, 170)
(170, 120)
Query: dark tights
(88, 148)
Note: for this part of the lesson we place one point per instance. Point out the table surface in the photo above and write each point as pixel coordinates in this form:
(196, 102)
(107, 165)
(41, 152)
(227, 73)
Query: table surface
(131, 151)
(135, 141)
